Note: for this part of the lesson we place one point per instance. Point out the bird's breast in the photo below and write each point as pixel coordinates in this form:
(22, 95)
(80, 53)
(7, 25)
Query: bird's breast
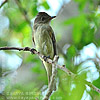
(43, 41)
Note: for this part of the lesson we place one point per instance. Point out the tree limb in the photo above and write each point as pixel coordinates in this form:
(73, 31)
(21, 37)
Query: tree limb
(23, 11)
(48, 60)
(4, 1)
(33, 51)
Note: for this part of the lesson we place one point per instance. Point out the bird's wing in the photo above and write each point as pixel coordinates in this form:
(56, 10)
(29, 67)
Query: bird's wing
(33, 36)
(51, 33)
(52, 36)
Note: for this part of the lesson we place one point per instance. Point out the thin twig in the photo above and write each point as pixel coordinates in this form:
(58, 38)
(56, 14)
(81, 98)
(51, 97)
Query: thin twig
(92, 86)
(4, 1)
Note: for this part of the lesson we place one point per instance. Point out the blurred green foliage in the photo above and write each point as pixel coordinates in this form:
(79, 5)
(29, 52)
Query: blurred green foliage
(85, 31)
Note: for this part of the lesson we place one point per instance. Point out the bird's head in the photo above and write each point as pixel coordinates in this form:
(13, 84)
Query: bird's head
(43, 18)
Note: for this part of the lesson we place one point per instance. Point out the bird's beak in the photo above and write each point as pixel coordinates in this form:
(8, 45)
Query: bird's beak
(52, 17)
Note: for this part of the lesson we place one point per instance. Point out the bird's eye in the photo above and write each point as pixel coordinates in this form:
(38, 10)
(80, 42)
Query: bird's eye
(43, 18)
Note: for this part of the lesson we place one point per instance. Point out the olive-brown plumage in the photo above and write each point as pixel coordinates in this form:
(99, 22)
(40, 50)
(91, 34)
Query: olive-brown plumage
(44, 39)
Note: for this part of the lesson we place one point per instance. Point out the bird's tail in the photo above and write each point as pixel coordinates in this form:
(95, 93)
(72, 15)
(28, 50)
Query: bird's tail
(48, 68)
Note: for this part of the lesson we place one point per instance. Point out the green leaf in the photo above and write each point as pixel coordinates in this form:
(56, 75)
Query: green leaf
(82, 4)
(71, 51)
(97, 82)
(79, 23)
(77, 34)
(45, 5)
(37, 67)
(34, 10)
(20, 26)
(70, 21)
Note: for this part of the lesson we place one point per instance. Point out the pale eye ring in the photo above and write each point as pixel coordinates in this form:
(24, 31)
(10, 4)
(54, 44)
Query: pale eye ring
(42, 18)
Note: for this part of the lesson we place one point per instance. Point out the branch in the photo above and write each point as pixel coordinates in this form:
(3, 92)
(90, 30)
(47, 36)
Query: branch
(4, 1)
(63, 5)
(52, 84)
(48, 60)
(23, 11)
(92, 86)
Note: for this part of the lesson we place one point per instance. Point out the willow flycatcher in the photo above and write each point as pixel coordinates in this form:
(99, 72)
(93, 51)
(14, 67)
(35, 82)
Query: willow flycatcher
(44, 39)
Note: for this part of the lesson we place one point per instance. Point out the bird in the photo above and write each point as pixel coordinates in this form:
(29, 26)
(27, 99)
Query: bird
(44, 39)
